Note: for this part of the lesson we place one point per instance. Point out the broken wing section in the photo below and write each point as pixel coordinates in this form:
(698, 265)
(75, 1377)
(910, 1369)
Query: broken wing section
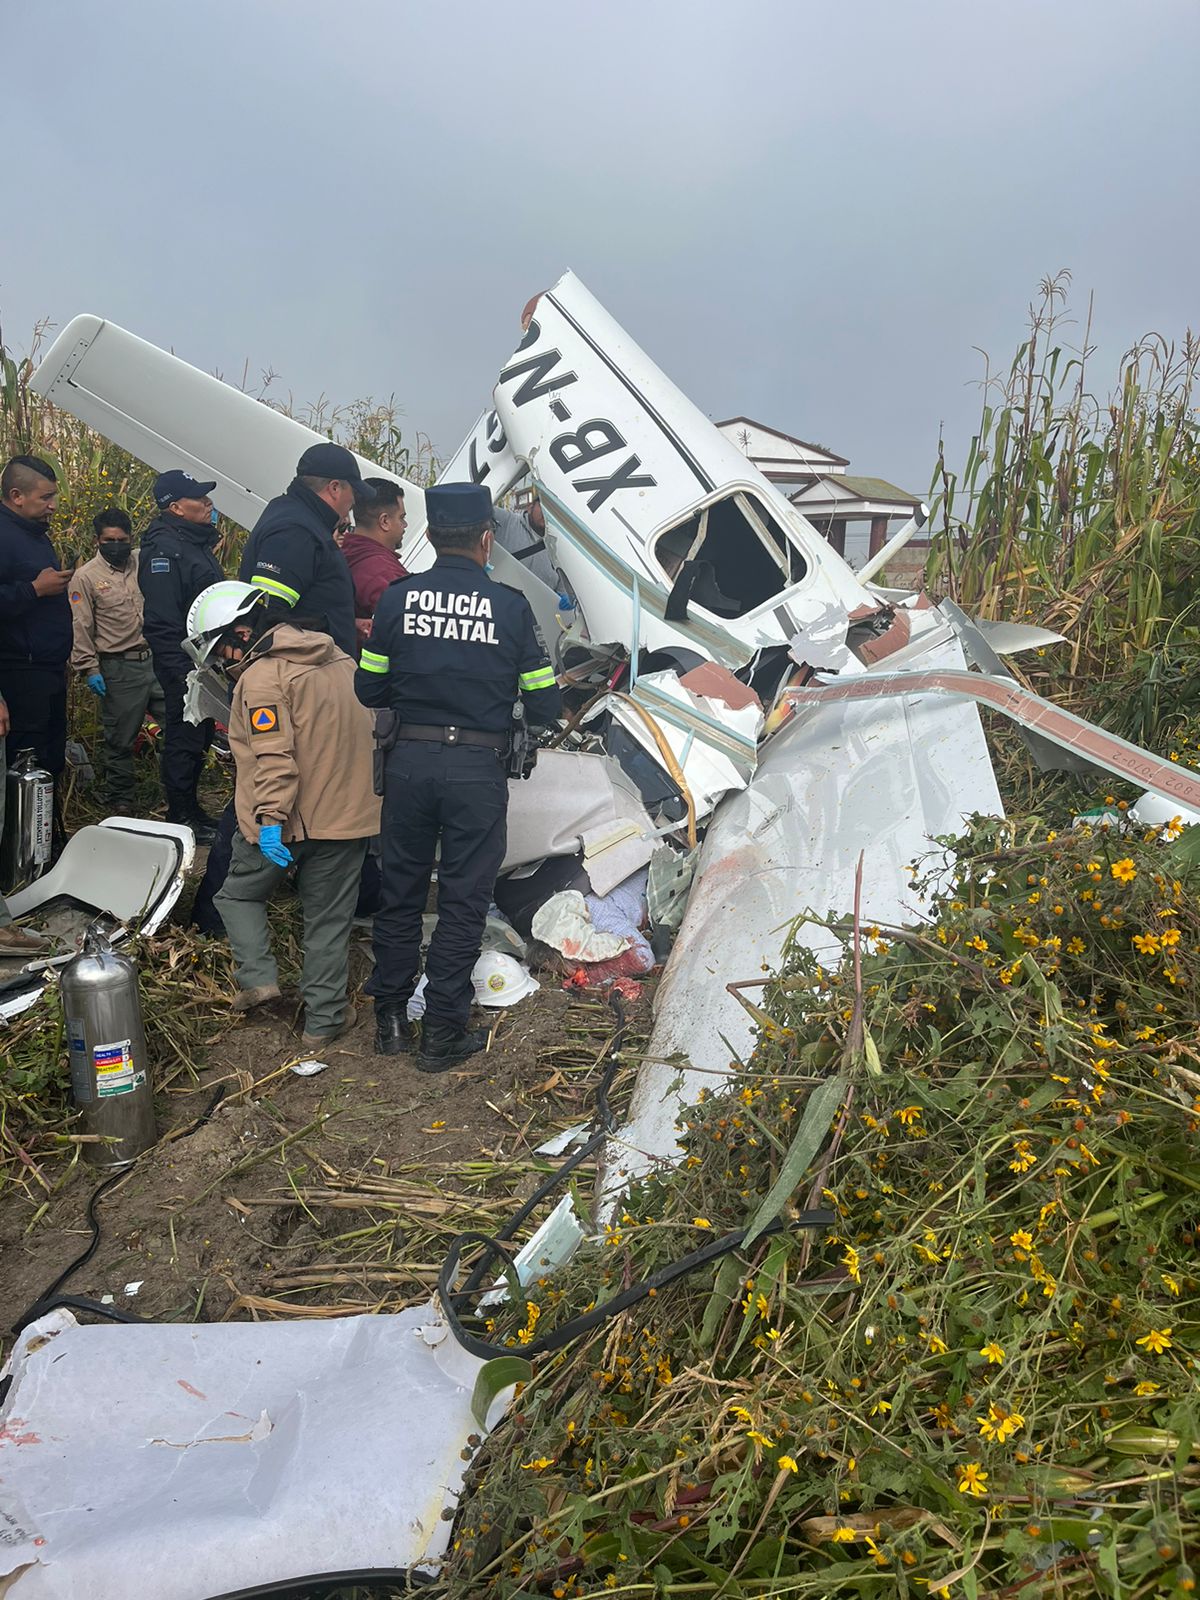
(170, 414)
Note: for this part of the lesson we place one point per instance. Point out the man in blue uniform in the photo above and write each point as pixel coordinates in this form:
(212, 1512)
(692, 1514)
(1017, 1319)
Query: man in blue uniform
(291, 552)
(449, 652)
(35, 615)
(177, 562)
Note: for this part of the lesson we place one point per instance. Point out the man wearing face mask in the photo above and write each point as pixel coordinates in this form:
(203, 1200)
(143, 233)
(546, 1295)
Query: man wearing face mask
(176, 561)
(111, 653)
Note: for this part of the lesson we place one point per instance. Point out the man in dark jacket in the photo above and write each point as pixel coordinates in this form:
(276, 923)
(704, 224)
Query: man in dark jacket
(450, 652)
(35, 615)
(291, 552)
(175, 563)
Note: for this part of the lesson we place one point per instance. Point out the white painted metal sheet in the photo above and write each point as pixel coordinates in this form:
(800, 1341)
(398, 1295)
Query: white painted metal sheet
(184, 1461)
(170, 414)
(828, 788)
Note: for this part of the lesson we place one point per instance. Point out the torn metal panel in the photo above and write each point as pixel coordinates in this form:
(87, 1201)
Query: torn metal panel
(713, 745)
(979, 648)
(874, 778)
(575, 801)
(555, 1241)
(126, 872)
(1074, 734)
(230, 1455)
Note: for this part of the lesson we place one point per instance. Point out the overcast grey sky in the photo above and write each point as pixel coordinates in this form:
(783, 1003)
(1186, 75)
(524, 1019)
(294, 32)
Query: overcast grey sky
(806, 213)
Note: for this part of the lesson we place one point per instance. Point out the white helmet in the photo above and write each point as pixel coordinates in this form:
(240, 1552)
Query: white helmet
(1153, 811)
(216, 609)
(500, 980)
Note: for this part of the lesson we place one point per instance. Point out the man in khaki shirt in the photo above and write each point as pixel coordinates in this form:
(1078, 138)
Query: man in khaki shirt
(110, 651)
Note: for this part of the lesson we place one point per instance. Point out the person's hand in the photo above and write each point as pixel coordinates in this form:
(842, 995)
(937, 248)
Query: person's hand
(5, 724)
(96, 684)
(50, 581)
(270, 842)
(362, 627)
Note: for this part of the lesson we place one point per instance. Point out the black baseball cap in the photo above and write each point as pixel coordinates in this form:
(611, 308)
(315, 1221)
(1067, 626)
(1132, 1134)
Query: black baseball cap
(176, 485)
(334, 461)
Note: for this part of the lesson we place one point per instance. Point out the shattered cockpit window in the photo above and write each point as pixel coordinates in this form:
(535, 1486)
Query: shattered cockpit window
(728, 557)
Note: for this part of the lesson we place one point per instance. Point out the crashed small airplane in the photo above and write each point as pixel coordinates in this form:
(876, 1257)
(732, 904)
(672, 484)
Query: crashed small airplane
(746, 713)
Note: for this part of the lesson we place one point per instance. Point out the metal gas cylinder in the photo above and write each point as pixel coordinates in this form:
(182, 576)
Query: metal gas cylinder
(28, 823)
(110, 1078)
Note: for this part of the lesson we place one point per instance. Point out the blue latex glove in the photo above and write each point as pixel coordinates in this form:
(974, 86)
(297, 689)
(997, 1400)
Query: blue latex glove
(270, 842)
(97, 684)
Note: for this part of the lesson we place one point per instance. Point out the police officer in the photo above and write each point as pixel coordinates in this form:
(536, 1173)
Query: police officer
(291, 553)
(175, 563)
(449, 652)
(111, 654)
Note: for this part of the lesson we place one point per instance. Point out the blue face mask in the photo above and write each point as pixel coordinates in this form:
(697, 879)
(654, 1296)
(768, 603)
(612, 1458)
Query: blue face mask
(212, 516)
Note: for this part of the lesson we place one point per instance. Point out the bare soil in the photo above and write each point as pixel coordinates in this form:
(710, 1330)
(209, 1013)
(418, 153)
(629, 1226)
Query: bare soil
(214, 1222)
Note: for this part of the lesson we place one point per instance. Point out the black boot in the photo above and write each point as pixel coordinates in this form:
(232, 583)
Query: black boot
(393, 1032)
(442, 1044)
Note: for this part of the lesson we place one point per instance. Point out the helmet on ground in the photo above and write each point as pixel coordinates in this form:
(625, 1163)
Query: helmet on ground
(500, 980)
(1153, 811)
(214, 611)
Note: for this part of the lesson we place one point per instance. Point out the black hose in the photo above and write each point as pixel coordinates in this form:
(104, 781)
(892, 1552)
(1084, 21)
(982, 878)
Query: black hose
(46, 1301)
(580, 1325)
(605, 1123)
(492, 1245)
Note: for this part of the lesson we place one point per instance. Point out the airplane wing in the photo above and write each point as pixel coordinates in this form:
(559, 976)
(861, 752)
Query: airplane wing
(170, 414)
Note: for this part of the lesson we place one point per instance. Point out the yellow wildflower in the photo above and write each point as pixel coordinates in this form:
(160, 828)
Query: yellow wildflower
(971, 1479)
(1145, 1387)
(701, 1222)
(539, 1465)
(787, 1464)
(937, 1347)
(1124, 870)
(1156, 1341)
(1146, 944)
(850, 1260)
(909, 1114)
(993, 1352)
(843, 1536)
(1170, 1282)
(1000, 1424)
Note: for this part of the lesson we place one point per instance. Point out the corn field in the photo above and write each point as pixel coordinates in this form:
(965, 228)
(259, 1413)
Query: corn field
(1082, 514)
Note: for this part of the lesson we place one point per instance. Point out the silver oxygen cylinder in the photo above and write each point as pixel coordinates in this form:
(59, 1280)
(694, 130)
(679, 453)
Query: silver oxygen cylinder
(110, 1077)
(28, 823)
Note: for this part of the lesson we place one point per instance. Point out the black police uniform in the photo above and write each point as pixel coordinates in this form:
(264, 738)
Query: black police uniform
(292, 557)
(175, 563)
(449, 651)
(35, 642)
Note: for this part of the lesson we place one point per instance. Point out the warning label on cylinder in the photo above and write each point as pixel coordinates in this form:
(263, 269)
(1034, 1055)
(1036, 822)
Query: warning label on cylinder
(114, 1068)
(82, 1086)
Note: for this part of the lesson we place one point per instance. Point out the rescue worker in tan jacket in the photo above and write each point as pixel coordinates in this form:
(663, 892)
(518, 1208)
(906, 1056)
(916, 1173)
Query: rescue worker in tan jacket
(110, 652)
(304, 794)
